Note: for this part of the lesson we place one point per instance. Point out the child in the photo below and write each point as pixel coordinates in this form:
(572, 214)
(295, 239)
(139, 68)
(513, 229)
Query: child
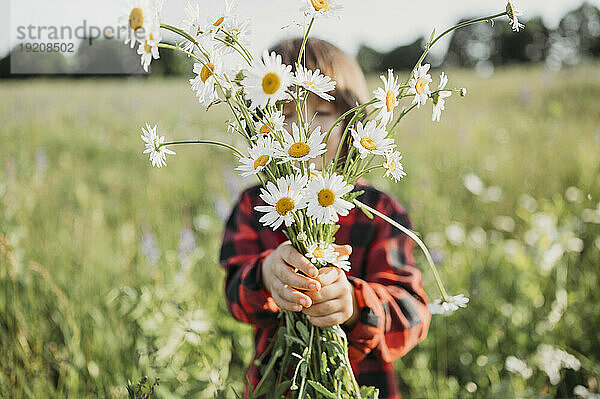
(380, 302)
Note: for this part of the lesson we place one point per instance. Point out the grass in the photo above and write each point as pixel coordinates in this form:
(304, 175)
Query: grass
(101, 282)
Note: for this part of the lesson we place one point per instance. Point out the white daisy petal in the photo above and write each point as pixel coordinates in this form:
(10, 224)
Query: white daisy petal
(387, 97)
(322, 8)
(371, 139)
(282, 200)
(295, 148)
(267, 80)
(152, 142)
(321, 253)
(393, 165)
(454, 302)
(419, 85)
(323, 196)
(314, 82)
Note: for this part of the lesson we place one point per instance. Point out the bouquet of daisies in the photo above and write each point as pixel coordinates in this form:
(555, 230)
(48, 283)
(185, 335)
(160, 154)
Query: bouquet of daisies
(306, 201)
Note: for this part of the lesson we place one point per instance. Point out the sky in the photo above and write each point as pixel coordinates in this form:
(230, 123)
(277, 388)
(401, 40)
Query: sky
(381, 24)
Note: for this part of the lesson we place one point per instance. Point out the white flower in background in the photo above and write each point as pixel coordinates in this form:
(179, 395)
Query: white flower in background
(321, 253)
(191, 25)
(324, 197)
(267, 80)
(222, 19)
(419, 85)
(234, 31)
(582, 392)
(387, 97)
(371, 139)
(393, 166)
(438, 98)
(313, 171)
(270, 124)
(454, 302)
(516, 365)
(206, 77)
(314, 82)
(322, 8)
(294, 148)
(513, 14)
(137, 16)
(153, 143)
(551, 360)
(342, 261)
(149, 48)
(282, 200)
(259, 157)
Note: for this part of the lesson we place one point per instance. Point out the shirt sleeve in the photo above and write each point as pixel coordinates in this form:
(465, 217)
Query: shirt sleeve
(242, 256)
(393, 316)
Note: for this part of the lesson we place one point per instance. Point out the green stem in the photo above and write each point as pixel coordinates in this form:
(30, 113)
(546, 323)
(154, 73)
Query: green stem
(301, 53)
(416, 238)
(232, 148)
(177, 48)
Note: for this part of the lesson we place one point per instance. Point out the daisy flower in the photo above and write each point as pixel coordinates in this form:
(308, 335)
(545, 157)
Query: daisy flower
(259, 157)
(513, 14)
(438, 98)
(322, 8)
(191, 25)
(387, 97)
(294, 148)
(419, 85)
(454, 302)
(321, 253)
(341, 261)
(206, 74)
(282, 200)
(153, 143)
(149, 48)
(269, 124)
(314, 82)
(220, 20)
(393, 166)
(138, 16)
(234, 30)
(267, 80)
(324, 194)
(371, 139)
(313, 172)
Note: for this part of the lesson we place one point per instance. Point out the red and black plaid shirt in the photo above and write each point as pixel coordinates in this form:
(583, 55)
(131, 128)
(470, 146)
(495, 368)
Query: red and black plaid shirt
(393, 305)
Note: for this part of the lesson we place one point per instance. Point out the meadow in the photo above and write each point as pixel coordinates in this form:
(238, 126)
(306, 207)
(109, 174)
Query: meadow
(109, 268)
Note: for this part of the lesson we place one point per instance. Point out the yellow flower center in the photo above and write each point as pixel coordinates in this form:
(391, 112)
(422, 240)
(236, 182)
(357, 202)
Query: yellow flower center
(319, 252)
(136, 18)
(299, 149)
(147, 48)
(313, 175)
(420, 85)
(265, 129)
(219, 21)
(510, 11)
(284, 205)
(308, 83)
(319, 5)
(326, 197)
(271, 83)
(368, 143)
(261, 161)
(390, 101)
(391, 165)
(207, 71)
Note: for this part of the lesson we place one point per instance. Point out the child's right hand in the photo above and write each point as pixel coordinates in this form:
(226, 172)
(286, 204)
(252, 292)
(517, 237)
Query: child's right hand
(283, 282)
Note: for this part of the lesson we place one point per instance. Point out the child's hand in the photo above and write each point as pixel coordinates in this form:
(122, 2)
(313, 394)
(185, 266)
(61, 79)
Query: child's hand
(335, 302)
(282, 282)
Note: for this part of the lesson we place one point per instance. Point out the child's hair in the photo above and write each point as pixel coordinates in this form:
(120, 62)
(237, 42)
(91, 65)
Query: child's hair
(351, 85)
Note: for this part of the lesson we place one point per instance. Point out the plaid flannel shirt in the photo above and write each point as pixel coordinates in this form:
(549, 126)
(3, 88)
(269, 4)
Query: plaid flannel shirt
(393, 305)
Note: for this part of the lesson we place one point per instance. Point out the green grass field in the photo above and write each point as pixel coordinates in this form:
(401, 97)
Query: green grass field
(109, 271)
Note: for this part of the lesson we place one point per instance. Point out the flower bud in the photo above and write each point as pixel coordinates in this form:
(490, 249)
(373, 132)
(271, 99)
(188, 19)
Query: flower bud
(463, 92)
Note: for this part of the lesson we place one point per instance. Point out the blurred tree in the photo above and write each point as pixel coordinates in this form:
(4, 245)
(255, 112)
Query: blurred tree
(400, 58)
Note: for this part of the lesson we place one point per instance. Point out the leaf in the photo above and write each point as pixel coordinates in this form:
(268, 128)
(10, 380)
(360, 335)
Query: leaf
(303, 369)
(282, 387)
(291, 339)
(321, 389)
(323, 363)
(303, 330)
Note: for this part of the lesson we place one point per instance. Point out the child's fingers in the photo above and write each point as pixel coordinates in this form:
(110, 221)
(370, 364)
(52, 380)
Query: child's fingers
(329, 320)
(289, 277)
(328, 292)
(284, 304)
(289, 294)
(328, 275)
(325, 308)
(297, 260)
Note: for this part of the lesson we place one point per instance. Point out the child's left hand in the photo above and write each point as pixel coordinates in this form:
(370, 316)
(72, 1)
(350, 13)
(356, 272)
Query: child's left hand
(335, 302)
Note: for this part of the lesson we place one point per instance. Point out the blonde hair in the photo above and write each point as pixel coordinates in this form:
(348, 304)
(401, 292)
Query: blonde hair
(351, 85)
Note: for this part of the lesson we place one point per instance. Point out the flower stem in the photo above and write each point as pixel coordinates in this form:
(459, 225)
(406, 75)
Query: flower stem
(416, 238)
(232, 148)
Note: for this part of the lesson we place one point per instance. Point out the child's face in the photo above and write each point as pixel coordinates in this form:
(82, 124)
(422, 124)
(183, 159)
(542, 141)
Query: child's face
(326, 116)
